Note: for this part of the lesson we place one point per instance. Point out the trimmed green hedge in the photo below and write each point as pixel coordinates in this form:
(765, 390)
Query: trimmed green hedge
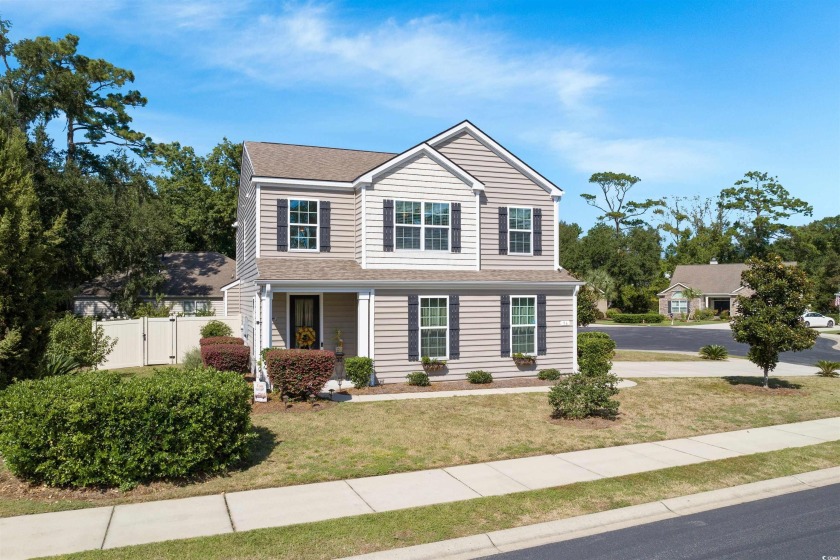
(227, 357)
(215, 340)
(358, 370)
(637, 318)
(299, 373)
(102, 429)
(595, 352)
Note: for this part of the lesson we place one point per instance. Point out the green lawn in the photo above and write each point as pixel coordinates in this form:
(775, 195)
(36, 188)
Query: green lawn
(385, 531)
(367, 439)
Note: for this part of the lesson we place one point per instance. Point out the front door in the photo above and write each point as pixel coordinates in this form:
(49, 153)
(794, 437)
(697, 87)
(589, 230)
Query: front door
(304, 311)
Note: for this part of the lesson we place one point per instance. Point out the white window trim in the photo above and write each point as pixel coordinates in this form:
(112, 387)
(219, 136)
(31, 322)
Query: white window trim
(317, 225)
(535, 325)
(423, 226)
(420, 326)
(529, 231)
(680, 301)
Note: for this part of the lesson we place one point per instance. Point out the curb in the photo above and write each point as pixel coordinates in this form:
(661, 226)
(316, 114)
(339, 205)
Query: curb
(507, 540)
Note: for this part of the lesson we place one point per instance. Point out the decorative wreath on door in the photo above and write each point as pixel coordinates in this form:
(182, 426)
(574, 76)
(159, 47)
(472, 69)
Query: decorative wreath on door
(305, 337)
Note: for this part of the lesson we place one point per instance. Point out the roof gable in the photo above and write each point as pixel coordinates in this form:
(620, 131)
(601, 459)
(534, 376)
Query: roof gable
(415, 152)
(292, 161)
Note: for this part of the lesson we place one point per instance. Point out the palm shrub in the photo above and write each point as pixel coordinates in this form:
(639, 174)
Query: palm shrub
(827, 368)
(480, 376)
(58, 364)
(418, 378)
(358, 370)
(714, 352)
(215, 328)
(104, 429)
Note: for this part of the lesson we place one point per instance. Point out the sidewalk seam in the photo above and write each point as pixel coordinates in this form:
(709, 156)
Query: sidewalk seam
(107, 528)
(798, 434)
(227, 509)
(659, 444)
(360, 496)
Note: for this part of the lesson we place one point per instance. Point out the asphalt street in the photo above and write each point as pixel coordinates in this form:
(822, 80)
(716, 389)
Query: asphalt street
(690, 339)
(803, 525)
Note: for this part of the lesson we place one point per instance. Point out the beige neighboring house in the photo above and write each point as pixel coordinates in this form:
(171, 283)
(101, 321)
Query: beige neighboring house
(192, 282)
(446, 250)
(720, 285)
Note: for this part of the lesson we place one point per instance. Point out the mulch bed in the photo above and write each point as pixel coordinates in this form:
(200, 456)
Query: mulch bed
(390, 388)
(276, 404)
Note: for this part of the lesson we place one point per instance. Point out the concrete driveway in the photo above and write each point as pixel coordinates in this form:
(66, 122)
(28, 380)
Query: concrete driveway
(690, 339)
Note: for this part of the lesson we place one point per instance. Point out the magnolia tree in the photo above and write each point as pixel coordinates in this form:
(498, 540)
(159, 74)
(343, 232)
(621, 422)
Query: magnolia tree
(770, 318)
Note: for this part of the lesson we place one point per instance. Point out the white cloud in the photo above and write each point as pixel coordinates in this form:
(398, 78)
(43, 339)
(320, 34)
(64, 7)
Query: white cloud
(652, 159)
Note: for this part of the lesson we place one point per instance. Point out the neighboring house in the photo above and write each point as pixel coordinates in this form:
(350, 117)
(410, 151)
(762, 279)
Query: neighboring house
(446, 250)
(192, 283)
(720, 285)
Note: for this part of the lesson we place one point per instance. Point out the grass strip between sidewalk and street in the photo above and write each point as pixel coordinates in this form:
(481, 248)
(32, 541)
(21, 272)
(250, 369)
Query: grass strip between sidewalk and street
(389, 530)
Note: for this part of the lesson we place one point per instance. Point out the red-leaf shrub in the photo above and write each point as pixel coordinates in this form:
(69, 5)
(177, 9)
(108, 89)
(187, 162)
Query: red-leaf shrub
(299, 373)
(227, 357)
(212, 340)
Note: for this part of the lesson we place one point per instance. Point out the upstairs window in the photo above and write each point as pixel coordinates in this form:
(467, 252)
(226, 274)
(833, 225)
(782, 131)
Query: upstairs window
(303, 225)
(520, 230)
(422, 225)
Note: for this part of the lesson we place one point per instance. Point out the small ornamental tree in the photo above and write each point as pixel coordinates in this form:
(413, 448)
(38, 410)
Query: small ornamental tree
(770, 318)
(691, 294)
(587, 306)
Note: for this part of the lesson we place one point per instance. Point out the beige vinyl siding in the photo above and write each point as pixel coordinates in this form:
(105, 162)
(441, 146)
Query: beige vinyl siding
(420, 179)
(339, 312)
(480, 334)
(217, 305)
(246, 251)
(93, 307)
(358, 225)
(504, 186)
(342, 221)
(233, 300)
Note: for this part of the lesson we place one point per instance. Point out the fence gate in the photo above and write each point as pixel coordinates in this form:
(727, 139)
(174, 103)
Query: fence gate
(159, 341)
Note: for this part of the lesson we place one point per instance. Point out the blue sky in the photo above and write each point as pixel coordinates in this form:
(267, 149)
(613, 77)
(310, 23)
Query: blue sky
(686, 95)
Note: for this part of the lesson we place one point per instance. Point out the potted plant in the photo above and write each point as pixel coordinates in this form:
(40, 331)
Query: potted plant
(339, 342)
(432, 364)
(522, 360)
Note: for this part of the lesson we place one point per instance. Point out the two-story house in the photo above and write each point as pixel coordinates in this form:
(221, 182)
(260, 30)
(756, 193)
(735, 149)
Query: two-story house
(447, 250)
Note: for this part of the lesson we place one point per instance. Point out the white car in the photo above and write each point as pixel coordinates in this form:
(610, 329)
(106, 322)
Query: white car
(812, 319)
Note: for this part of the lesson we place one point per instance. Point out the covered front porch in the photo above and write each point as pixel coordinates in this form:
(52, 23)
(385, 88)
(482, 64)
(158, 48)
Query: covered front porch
(286, 312)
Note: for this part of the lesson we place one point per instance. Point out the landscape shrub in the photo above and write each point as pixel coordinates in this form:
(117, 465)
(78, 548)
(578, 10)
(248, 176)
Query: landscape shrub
(58, 364)
(714, 352)
(612, 312)
(595, 352)
(192, 359)
(227, 357)
(211, 340)
(599, 315)
(637, 318)
(299, 373)
(215, 328)
(104, 429)
(77, 339)
(827, 368)
(480, 376)
(358, 370)
(550, 374)
(579, 396)
(419, 378)
(724, 315)
(704, 314)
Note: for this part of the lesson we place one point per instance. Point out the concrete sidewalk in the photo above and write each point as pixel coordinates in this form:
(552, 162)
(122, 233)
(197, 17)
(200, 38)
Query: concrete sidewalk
(123, 525)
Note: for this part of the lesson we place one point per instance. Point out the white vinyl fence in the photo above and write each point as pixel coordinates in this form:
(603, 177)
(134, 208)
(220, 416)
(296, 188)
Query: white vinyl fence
(156, 341)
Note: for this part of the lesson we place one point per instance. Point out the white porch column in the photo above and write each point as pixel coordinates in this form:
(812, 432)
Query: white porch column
(363, 325)
(575, 329)
(265, 324)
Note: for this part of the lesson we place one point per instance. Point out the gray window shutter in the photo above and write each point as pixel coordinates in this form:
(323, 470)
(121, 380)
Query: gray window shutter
(324, 218)
(456, 227)
(505, 300)
(503, 230)
(542, 324)
(454, 328)
(388, 225)
(669, 306)
(537, 231)
(413, 328)
(283, 224)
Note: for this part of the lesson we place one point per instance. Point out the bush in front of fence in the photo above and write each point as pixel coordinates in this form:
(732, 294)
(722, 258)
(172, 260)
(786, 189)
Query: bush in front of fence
(104, 429)
(213, 340)
(215, 328)
(227, 357)
(299, 373)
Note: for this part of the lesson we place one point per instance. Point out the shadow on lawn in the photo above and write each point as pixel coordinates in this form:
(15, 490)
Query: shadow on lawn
(261, 447)
(773, 382)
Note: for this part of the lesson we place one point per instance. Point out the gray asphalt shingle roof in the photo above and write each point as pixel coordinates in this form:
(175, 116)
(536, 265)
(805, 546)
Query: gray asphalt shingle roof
(291, 161)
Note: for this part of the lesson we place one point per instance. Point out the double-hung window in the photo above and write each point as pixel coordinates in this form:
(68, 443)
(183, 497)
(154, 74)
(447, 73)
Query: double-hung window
(434, 327)
(678, 303)
(303, 225)
(523, 325)
(422, 225)
(521, 229)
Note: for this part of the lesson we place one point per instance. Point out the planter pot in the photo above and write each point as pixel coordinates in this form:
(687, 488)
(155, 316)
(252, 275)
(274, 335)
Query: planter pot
(339, 349)
(524, 362)
(431, 368)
